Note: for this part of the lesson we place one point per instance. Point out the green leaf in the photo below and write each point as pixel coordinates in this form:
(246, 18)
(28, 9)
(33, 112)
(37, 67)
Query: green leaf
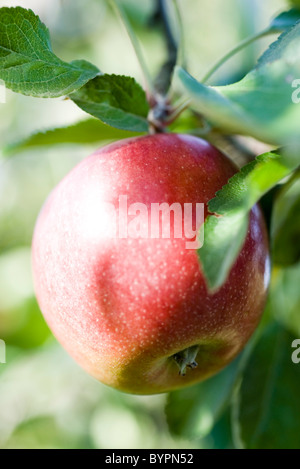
(223, 240)
(86, 132)
(285, 229)
(116, 100)
(27, 62)
(268, 404)
(42, 432)
(261, 104)
(188, 122)
(221, 435)
(295, 3)
(286, 48)
(245, 188)
(285, 20)
(284, 297)
(33, 331)
(192, 412)
(224, 233)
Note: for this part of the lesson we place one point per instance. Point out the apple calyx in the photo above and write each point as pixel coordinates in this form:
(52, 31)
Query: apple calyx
(186, 358)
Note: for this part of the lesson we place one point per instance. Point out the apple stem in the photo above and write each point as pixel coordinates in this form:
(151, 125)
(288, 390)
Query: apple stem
(159, 101)
(158, 114)
(186, 358)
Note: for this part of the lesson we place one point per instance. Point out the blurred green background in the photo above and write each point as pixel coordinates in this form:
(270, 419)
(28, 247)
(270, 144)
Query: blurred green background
(46, 400)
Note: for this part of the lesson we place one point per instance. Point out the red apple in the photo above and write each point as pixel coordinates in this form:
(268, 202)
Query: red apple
(131, 310)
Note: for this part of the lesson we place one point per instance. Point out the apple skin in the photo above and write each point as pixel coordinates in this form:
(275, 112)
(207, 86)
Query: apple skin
(123, 308)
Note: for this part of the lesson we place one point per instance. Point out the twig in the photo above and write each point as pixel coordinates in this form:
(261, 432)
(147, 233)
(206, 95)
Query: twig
(163, 80)
(246, 42)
